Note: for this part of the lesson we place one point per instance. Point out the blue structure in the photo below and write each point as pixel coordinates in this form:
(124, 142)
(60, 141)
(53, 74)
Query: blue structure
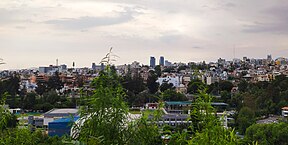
(152, 62)
(161, 61)
(61, 126)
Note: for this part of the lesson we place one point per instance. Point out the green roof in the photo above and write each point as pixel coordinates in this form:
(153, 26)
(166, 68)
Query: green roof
(178, 102)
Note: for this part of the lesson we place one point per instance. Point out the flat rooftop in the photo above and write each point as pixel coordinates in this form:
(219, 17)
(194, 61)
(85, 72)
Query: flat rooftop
(61, 112)
(68, 110)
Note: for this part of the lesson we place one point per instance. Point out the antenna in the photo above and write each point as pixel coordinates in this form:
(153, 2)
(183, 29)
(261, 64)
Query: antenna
(234, 51)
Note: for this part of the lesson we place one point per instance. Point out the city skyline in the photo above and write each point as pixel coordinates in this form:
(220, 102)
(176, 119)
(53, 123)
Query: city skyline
(36, 33)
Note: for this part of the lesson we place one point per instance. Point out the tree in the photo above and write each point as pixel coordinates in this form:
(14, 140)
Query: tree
(29, 101)
(194, 86)
(54, 82)
(158, 70)
(42, 87)
(206, 128)
(182, 67)
(51, 97)
(151, 82)
(171, 95)
(134, 84)
(166, 86)
(225, 96)
(105, 115)
(267, 134)
(5, 115)
(11, 86)
(245, 118)
(225, 86)
(242, 87)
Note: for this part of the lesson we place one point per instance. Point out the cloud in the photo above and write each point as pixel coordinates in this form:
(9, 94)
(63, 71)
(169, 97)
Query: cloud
(90, 21)
(20, 27)
(230, 5)
(274, 28)
(275, 21)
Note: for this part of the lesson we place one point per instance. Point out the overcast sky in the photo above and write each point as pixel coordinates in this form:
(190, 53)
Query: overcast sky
(36, 32)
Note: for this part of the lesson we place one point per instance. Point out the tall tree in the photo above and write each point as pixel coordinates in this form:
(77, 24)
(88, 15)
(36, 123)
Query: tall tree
(54, 82)
(245, 118)
(166, 86)
(172, 95)
(106, 112)
(194, 86)
(151, 82)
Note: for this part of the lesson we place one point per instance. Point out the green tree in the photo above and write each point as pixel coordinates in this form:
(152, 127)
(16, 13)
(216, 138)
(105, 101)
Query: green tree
(245, 118)
(106, 114)
(171, 95)
(29, 101)
(194, 86)
(42, 87)
(54, 82)
(166, 86)
(267, 134)
(133, 84)
(5, 115)
(225, 86)
(152, 85)
(206, 128)
(158, 70)
(242, 86)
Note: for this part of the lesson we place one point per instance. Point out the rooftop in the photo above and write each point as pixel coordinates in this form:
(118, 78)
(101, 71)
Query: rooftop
(66, 110)
(178, 102)
(285, 108)
(66, 119)
(189, 102)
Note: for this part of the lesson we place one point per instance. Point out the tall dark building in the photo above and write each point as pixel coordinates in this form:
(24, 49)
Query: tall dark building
(102, 66)
(94, 66)
(161, 61)
(152, 62)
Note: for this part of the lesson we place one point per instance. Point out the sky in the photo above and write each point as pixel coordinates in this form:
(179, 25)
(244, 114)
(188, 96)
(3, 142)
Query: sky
(37, 32)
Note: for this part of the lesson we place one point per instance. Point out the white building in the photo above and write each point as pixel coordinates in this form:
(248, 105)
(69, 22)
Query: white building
(210, 80)
(173, 80)
(285, 111)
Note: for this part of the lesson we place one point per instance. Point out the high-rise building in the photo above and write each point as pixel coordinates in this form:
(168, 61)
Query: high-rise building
(152, 62)
(168, 63)
(94, 66)
(269, 57)
(161, 61)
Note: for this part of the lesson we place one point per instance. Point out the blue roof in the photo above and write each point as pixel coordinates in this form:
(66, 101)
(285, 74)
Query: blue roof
(66, 119)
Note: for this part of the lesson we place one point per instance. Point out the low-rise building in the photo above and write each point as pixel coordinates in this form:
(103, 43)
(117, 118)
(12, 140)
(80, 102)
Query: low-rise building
(285, 111)
(54, 114)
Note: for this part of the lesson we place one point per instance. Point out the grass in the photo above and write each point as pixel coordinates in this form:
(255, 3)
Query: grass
(135, 111)
(28, 114)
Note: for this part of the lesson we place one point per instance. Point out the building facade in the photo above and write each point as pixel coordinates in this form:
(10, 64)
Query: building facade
(152, 62)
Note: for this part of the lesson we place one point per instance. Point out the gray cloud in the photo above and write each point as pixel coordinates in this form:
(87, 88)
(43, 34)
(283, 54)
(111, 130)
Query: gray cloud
(275, 22)
(274, 28)
(230, 5)
(20, 27)
(90, 21)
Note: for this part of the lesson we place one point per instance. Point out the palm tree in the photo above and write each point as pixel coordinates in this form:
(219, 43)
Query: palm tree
(109, 58)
